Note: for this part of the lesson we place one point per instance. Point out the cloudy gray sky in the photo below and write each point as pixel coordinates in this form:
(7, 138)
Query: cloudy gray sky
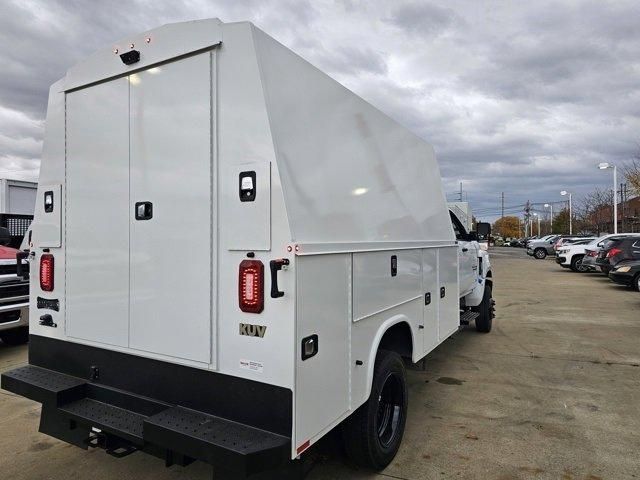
(517, 97)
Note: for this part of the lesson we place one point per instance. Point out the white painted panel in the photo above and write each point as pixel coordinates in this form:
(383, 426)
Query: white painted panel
(322, 381)
(47, 231)
(449, 306)
(374, 289)
(249, 227)
(171, 167)
(97, 231)
(430, 285)
(349, 172)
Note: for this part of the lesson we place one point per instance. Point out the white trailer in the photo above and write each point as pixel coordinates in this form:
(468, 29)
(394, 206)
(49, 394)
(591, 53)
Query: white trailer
(232, 255)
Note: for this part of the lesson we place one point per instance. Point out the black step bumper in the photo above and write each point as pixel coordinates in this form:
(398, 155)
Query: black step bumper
(90, 413)
(145, 423)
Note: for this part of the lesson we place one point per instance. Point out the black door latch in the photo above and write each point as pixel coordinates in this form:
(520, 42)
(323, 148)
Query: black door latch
(275, 266)
(144, 210)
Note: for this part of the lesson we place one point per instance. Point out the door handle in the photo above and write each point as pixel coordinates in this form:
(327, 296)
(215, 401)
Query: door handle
(275, 266)
(144, 210)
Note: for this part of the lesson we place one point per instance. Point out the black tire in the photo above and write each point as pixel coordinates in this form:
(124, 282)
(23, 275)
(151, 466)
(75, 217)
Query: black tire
(16, 336)
(540, 253)
(636, 282)
(486, 309)
(373, 433)
(576, 264)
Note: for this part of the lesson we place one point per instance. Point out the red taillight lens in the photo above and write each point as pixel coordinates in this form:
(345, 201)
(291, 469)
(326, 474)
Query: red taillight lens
(46, 272)
(251, 286)
(613, 252)
(592, 253)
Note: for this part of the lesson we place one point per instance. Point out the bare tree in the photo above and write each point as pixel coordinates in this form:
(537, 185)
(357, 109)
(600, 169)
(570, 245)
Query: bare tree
(595, 211)
(632, 175)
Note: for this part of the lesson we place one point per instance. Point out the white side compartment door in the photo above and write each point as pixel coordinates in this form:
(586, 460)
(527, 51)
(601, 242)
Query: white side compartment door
(431, 295)
(171, 277)
(97, 215)
(448, 294)
(322, 381)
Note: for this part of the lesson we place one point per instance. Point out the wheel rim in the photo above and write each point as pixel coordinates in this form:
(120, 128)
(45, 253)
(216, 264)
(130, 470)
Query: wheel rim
(579, 265)
(539, 254)
(390, 410)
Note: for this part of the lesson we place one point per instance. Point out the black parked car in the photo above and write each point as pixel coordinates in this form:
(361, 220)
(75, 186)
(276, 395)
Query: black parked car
(618, 250)
(627, 273)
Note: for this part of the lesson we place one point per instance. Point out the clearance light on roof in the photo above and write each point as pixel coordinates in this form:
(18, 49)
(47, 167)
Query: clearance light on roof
(251, 286)
(46, 272)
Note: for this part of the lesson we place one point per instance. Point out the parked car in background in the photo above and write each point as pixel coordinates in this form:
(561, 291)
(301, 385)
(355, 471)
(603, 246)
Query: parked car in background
(517, 243)
(572, 255)
(616, 250)
(627, 273)
(14, 296)
(542, 247)
(562, 241)
(592, 249)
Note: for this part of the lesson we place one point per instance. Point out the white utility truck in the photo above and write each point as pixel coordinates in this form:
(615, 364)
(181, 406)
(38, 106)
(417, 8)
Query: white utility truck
(232, 254)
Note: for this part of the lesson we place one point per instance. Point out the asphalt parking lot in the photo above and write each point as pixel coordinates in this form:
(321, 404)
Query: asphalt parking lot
(552, 392)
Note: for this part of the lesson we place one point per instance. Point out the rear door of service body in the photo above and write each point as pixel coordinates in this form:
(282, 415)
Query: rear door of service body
(138, 186)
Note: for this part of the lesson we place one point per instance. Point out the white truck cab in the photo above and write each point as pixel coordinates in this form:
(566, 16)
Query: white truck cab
(324, 257)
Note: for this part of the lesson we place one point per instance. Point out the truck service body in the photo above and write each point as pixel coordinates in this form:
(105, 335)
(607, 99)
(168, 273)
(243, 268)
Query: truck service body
(313, 235)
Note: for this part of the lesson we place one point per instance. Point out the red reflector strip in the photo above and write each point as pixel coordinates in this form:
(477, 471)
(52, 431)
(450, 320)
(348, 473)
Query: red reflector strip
(303, 447)
(46, 272)
(251, 286)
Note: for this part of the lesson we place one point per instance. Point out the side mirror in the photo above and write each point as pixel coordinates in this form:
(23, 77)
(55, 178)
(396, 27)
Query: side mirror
(472, 237)
(5, 236)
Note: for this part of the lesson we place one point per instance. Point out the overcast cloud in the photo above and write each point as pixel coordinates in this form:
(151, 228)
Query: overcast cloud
(524, 98)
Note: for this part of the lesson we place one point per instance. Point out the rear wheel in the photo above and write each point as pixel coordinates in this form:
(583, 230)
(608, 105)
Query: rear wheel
(636, 282)
(373, 433)
(576, 264)
(17, 336)
(486, 311)
(540, 253)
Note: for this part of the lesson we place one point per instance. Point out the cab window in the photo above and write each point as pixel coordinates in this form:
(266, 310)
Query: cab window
(458, 229)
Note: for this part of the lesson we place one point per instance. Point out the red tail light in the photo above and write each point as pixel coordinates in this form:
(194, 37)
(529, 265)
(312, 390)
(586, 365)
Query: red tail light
(592, 253)
(613, 252)
(251, 286)
(46, 272)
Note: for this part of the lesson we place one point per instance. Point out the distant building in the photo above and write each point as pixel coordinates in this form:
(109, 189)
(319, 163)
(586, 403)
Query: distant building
(628, 216)
(17, 196)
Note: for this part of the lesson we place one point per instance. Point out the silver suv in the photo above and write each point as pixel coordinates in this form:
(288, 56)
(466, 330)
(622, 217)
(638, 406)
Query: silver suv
(542, 247)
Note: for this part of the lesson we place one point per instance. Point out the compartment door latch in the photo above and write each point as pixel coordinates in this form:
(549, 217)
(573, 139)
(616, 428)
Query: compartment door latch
(144, 210)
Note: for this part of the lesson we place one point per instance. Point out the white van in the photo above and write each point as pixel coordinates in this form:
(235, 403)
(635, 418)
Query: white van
(232, 254)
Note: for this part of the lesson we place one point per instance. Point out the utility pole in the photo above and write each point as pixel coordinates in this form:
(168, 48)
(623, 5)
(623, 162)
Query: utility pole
(623, 199)
(527, 216)
(502, 204)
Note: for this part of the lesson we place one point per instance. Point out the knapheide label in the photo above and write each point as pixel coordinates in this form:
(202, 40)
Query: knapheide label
(252, 365)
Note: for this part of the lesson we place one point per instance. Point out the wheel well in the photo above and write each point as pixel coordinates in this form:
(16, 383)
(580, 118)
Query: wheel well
(398, 339)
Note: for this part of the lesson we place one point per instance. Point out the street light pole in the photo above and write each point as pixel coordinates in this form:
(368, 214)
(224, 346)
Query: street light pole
(563, 193)
(604, 166)
(548, 205)
(538, 217)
